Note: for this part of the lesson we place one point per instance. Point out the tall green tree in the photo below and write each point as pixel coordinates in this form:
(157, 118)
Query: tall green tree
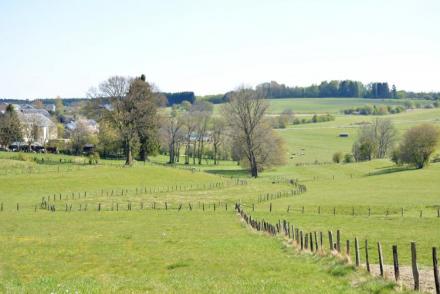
(10, 127)
(133, 111)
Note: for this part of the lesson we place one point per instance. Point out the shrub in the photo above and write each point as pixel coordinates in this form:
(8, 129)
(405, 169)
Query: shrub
(348, 158)
(337, 157)
(417, 146)
(94, 158)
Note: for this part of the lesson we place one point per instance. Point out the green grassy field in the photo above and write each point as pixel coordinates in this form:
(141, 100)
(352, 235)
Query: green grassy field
(328, 105)
(170, 250)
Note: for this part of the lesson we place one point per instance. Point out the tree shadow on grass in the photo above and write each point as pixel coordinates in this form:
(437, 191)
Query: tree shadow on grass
(235, 173)
(391, 170)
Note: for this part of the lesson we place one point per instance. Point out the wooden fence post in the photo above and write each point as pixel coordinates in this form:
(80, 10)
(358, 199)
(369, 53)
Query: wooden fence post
(330, 240)
(396, 263)
(316, 241)
(320, 239)
(270, 207)
(435, 265)
(356, 249)
(338, 241)
(301, 239)
(379, 251)
(367, 261)
(347, 252)
(415, 269)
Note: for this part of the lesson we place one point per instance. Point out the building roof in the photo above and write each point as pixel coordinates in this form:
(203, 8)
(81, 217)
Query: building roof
(35, 110)
(38, 119)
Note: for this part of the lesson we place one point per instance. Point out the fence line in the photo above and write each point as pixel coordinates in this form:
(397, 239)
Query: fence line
(304, 241)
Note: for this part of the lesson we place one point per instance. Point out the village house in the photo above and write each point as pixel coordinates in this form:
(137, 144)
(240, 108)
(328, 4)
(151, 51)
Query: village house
(37, 127)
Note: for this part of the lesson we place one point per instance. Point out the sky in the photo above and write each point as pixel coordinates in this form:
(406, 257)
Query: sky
(50, 48)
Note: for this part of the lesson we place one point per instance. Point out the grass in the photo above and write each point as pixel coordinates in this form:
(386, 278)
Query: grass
(154, 251)
(328, 105)
(205, 251)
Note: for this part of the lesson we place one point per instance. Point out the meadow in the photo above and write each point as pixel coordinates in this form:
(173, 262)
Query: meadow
(161, 229)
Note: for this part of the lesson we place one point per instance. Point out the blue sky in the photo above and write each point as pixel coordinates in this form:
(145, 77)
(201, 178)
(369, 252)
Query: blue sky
(50, 48)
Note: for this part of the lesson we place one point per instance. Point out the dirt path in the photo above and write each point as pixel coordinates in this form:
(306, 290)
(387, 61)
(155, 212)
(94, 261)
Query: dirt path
(426, 275)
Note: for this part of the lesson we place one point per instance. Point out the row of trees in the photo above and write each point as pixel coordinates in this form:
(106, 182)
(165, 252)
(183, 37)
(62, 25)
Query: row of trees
(241, 133)
(335, 88)
(378, 140)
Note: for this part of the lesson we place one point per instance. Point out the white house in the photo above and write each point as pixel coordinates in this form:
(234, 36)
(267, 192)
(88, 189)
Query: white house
(37, 127)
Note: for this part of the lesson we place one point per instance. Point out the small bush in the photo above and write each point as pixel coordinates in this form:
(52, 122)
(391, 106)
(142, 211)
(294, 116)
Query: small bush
(348, 158)
(337, 157)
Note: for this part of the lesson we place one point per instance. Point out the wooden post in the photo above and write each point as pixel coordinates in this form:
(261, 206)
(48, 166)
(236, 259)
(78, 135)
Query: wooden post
(338, 241)
(356, 249)
(316, 241)
(306, 241)
(311, 241)
(415, 269)
(367, 262)
(435, 265)
(396, 263)
(301, 239)
(379, 251)
(320, 239)
(347, 252)
(330, 240)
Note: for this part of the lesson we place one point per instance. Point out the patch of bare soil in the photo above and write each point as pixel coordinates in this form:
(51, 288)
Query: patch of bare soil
(426, 275)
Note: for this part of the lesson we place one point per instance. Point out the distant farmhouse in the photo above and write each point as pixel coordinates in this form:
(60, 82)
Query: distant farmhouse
(36, 123)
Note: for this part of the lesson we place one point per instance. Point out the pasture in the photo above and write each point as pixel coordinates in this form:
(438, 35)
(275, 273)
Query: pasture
(156, 228)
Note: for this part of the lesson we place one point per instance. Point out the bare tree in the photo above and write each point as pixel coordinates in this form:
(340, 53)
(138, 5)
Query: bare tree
(202, 129)
(217, 136)
(190, 125)
(375, 140)
(245, 114)
(386, 135)
(80, 136)
(172, 134)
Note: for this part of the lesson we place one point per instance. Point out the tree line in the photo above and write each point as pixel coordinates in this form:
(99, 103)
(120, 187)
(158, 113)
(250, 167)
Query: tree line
(380, 140)
(189, 131)
(333, 88)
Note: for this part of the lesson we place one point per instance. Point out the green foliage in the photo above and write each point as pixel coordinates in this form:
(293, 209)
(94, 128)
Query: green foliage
(417, 146)
(10, 127)
(348, 158)
(337, 157)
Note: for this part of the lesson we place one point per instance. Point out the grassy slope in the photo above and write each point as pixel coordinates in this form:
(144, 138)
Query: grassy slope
(154, 251)
(95, 261)
(327, 105)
